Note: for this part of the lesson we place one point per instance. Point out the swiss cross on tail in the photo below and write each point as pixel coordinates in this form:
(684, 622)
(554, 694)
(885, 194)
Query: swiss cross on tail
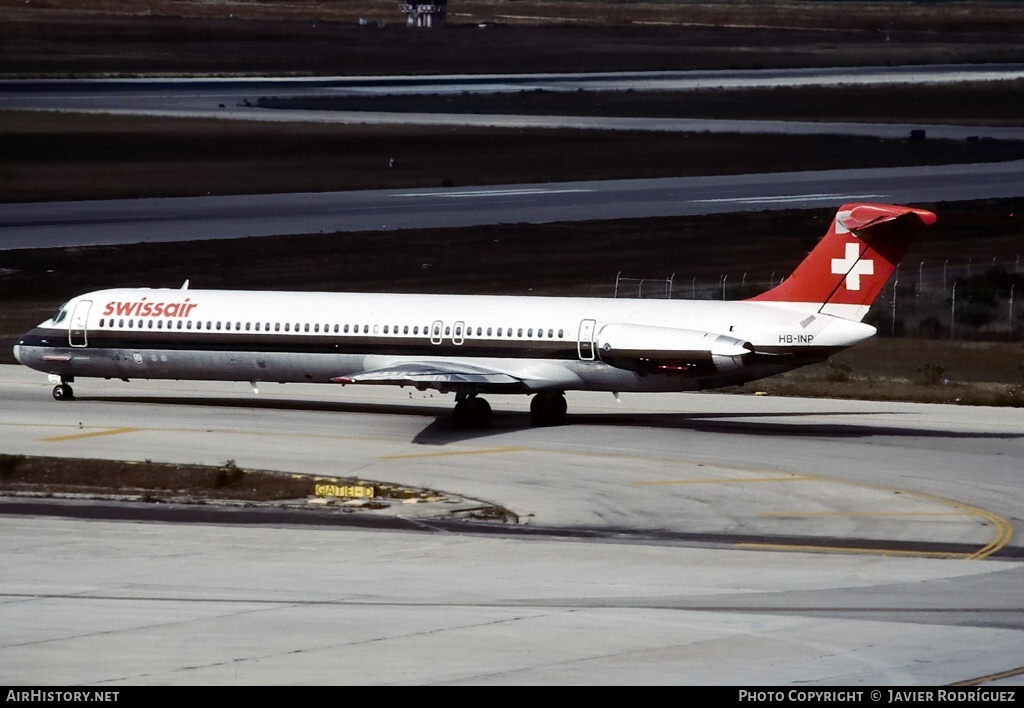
(853, 266)
(848, 268)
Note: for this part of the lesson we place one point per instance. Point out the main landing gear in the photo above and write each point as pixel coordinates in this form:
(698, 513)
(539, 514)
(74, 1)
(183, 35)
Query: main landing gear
(471, 411)
(548, 408)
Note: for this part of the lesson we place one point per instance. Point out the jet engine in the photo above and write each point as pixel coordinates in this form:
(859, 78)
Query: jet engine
(668, 350)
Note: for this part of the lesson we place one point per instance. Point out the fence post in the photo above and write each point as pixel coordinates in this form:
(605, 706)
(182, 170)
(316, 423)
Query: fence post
(894, 284)
(1012, 286)
(952, 313)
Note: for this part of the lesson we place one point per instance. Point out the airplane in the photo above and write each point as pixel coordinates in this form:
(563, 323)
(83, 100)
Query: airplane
(471, 345)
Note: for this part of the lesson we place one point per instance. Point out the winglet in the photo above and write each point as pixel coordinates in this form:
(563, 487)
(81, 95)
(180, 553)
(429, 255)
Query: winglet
(848, 268)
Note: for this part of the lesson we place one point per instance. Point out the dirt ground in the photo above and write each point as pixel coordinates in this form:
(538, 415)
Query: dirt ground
(118, 37)
(51, 156)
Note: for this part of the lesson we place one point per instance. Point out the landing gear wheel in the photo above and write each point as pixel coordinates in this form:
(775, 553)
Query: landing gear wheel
(63, 392)
(472, 412)
(548, 408)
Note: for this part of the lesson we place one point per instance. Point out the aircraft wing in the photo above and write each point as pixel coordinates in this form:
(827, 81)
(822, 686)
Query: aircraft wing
(431, 374)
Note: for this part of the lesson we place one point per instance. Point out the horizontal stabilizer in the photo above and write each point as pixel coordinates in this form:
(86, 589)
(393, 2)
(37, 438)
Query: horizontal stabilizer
(865, 216)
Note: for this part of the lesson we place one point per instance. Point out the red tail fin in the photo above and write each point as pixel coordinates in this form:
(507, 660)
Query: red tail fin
(848, 268)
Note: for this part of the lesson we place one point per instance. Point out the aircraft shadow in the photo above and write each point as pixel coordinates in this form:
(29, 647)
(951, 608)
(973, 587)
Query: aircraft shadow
(443, 430)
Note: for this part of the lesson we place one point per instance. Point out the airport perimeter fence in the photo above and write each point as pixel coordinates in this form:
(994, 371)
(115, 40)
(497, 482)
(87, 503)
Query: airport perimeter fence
(977, 299)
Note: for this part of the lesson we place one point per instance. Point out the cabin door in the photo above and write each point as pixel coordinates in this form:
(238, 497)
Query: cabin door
(585, 344)
(77, 336)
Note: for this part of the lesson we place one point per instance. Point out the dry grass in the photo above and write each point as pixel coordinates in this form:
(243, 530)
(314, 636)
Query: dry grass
(54, 156)
(924, 370)
(146, 480)
(155, 482)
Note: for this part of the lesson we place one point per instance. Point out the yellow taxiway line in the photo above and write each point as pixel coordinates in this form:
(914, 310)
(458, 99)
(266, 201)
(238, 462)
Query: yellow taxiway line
(93, 434)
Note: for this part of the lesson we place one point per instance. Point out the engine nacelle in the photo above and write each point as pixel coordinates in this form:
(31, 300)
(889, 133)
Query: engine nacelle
(667, 350)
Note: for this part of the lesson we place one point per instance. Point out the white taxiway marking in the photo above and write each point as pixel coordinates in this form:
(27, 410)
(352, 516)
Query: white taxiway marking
(793, 198)
(493, 193)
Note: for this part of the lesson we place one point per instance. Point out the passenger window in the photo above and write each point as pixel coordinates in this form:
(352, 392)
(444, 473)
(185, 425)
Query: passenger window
(561, 333)
(376, 329)
(488, 331)
(346, 329)
(304, 329)
(131, 323)
(405, 330)
(188, 325)
(447, 331)
(366, 329)
(520, 332)
(277, 326)
(551, 333)
(385, 329)
(149, 323)
(120, 323)
(257, 326)
(416, 329)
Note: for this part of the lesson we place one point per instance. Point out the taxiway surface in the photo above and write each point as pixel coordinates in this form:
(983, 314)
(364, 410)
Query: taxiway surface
(100, 222)
(649, 547)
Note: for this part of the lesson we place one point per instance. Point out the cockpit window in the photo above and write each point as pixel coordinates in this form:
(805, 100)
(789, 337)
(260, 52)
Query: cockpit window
(61, 314)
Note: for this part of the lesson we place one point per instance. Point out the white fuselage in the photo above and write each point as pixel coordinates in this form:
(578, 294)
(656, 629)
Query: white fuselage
(540, 343)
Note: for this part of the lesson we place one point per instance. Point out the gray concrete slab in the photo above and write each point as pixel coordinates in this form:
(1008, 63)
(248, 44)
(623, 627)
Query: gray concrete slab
(100, 603)
(647, 599)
